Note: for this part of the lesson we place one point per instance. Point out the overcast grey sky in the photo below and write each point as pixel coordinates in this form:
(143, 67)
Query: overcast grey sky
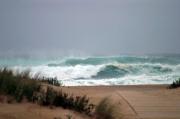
(104, 27)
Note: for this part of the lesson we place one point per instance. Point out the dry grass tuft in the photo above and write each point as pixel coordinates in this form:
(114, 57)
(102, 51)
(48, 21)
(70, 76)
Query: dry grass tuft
(175, 84)
(107, 110)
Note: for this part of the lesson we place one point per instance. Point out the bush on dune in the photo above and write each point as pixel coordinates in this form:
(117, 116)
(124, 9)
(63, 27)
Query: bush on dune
(18, 86)
(62, 99)
(106, 110)
(26, 88)
(175, 84)
(21, 86)
(11, 83)
(8, 83)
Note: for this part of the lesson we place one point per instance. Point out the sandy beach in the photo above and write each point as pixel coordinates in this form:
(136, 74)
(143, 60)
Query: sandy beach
(134, 102)
(89, 59)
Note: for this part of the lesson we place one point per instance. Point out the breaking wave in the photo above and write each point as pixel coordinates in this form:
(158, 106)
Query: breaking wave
(102, 70)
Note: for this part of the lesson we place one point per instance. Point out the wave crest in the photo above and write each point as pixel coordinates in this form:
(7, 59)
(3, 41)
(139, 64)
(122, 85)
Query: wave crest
(106, 70)
(110, 71)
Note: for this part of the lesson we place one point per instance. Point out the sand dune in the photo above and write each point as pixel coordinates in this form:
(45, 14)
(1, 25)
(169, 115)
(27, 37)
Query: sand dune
(135, 102)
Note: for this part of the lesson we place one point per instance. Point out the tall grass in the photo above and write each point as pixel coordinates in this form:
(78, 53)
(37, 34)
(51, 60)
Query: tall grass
(21, 86)
(18, 86)
(51, 81)
(62, 99)
(107, 110)
(175, 84)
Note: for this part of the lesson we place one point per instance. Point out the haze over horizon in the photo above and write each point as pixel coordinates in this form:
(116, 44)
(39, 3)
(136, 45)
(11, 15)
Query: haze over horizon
(89, 27)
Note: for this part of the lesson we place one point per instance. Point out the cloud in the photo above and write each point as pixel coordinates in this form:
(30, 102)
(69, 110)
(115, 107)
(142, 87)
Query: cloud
(93, 27)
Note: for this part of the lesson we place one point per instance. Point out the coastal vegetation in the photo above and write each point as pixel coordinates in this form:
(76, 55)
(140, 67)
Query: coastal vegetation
(107, 110)
(21, 86)
(175, 84)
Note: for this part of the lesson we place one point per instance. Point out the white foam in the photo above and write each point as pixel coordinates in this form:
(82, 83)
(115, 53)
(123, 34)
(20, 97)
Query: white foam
(127, 80)
(79, 75)
(64, 72)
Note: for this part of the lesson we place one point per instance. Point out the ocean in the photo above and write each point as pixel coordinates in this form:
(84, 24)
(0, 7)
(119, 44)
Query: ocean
(93, 70)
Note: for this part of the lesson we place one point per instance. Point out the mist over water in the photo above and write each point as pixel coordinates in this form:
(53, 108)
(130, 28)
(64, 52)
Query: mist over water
(93, 70)
(39, 35)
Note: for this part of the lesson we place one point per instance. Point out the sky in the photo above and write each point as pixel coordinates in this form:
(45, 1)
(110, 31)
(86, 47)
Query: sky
(89, 27)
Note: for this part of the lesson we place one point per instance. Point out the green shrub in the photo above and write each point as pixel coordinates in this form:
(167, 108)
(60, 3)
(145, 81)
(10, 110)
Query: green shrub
(19, 86)
(106, 110)
(8, 82)
(50, 96)
(19, 93)
(82, 104)
(62, 99)
(175, 84)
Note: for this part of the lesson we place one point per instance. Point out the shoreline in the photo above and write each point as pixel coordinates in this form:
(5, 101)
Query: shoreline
(131, 85)
(120, 85)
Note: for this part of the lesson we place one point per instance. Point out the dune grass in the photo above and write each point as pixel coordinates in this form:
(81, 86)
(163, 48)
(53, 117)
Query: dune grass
(107, 110)
(50, 97)
(175, 84)
(18, 86)
(21, 85)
